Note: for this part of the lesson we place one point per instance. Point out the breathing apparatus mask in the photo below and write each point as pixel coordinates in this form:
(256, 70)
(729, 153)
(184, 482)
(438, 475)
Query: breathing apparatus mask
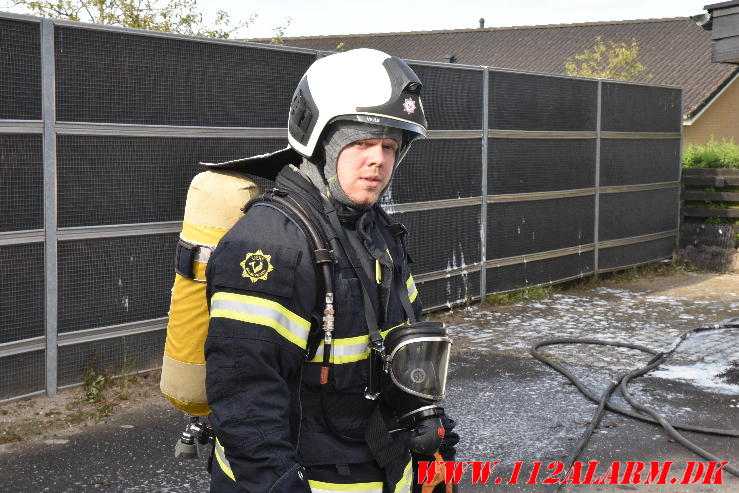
(409, 373)
(407, 369)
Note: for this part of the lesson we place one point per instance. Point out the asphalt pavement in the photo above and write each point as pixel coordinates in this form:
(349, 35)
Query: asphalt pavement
(509, 407)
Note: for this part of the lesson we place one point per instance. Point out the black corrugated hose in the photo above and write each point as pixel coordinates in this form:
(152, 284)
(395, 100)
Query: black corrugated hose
(622, 382)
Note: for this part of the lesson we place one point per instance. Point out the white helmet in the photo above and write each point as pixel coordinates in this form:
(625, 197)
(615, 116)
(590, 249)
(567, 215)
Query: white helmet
(359, 85)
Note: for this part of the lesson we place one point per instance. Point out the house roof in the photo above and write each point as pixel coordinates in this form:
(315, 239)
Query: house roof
(674, 51)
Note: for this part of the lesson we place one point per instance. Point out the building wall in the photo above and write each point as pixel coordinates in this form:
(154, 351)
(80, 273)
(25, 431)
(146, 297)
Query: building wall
(720, 120)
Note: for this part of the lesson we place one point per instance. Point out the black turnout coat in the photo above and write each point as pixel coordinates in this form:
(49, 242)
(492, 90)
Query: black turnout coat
(264, 350)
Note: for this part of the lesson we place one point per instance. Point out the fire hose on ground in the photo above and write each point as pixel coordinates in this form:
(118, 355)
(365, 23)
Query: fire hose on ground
(645, 414)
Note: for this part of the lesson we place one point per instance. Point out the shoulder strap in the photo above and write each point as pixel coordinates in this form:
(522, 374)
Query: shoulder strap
(370, 309)
(289, 206)
(317, 241)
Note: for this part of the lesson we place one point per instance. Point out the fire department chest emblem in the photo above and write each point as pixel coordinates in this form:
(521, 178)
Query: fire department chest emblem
(409, 106)
(256, 266)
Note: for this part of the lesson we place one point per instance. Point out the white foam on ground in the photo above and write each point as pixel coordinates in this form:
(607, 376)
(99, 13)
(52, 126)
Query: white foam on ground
(703, 375)
(605, 313)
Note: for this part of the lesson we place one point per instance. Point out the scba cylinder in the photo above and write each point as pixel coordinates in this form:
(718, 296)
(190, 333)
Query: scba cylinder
(214, 202)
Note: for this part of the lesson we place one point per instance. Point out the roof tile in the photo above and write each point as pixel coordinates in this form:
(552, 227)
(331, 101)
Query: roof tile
(674, 51)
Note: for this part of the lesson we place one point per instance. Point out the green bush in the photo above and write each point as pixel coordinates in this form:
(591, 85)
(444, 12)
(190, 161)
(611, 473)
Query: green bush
(723, 154)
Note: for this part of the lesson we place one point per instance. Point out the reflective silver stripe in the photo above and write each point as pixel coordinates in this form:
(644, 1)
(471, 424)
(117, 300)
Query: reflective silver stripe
(262, 312)
(412, 290)
(343, 352)
(220, 454)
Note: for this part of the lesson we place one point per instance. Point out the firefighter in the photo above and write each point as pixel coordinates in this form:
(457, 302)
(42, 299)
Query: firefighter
(352, 118)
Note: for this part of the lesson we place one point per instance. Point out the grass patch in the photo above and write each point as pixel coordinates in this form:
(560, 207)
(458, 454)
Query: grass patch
(95, 383)
(589, 282)
(88, 413)
(499, 302)
(639, 271)
(95, 400)
(522, 295)
(22, 430)
(535, 293)
(9, 436)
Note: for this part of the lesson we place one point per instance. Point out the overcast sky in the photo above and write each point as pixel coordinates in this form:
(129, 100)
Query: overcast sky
(319, 17)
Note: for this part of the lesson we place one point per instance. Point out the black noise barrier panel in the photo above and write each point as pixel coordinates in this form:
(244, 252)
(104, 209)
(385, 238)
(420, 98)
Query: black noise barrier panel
(122, 180)
(632, 108)
(452, 243)
(437, 170)
(451, 97)
(519, 228)
(533, 102)
(539, 272)
(111, 356)
(636, 161)
(21, 183)
(20, 70)
(115, 280)
(537, 165)
(119, 77)
(22, 374)
(623, 215)
(105, 76)
(22, 303)
(638, 253)
(460, 288)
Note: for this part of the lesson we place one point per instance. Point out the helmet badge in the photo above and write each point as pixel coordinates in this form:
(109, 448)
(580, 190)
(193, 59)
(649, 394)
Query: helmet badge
(409, 106)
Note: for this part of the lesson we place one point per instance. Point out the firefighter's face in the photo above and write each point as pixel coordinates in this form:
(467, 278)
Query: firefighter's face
(364, 169)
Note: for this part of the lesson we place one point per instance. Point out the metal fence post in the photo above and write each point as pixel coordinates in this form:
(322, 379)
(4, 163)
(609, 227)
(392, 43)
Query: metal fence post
(680, 179)
(48, 102)
(596, 227)
(484, 184)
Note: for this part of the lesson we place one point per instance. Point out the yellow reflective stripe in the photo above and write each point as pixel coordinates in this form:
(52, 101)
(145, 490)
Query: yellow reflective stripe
(262, 312)
(378, 272)
(412, 290)
(220, 454)
(203, 235)
(404, 485)
(349, 349)
(321, 486)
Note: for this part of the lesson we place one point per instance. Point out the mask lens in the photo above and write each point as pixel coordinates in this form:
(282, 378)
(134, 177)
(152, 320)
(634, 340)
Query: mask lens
(420, 366)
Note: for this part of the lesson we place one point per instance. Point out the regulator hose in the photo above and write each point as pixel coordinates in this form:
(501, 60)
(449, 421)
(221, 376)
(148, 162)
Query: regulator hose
(646, 414)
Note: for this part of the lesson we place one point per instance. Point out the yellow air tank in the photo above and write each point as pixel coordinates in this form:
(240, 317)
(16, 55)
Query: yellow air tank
(213, 206)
